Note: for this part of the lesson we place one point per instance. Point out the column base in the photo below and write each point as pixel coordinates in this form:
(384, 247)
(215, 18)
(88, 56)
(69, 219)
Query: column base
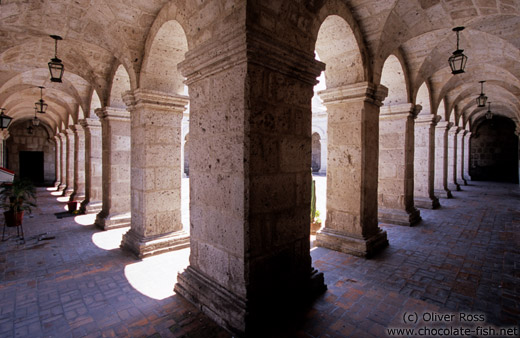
(91, 207)
(68, 192)
(113, 221)
(149, 246)
(399, 217)
(444, 193)
(454, 187)
(61, 187)
(357, 246)
(238, 315)
(427, 202)
(465, 182)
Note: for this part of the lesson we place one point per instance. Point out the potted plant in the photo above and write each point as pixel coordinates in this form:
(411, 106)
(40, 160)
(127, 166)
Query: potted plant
(18, 196)
(315, 214)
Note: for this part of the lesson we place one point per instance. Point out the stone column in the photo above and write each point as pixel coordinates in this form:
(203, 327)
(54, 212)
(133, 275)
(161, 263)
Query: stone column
(79, 164)
(352, 170)
(250, 180)
(453, 185)
(467, 155)
(57, 160)
(424, 162)
(69, 162)
(396, 165)
(460, 158)
(93, 166)
(156, 131)
(4, 135)
(115, 212)
(441, 159)
(63, 140)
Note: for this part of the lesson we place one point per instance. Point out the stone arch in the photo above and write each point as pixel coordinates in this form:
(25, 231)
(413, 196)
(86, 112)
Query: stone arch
(159, 71)
(316, 152)
(441, 110)
(394, 77)
(120, 84)
(95, 103)
(423, 99)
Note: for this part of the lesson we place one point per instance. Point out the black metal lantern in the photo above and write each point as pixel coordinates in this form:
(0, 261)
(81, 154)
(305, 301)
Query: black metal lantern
(55, 65)
(458, 60)
(30, 130)
(35, 120)
(5, 120)
(482, 98)
(41, 106)
(489, 114)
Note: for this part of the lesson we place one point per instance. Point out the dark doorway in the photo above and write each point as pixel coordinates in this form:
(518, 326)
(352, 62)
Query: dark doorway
(31, 166)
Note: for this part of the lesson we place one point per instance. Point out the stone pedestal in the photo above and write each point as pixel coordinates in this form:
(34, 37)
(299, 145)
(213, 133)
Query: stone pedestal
(79, 164)
(57, 159)
(352, 170)
(115, 212)
(63, 140)
(93, 166)
(250, 181)
(453, 185)
(461, 158)
(467, 156)
(69, 162)
(396, 165)
(156, 131)
(441, 159)
(424, 162)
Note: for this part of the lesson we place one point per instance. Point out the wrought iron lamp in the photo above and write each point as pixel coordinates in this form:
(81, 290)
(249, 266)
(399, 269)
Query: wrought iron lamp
(489, 114)
(41, 106)
(482, 98)
(458, 60)
(55, 65)
(30, 130)
(35, 120)
(4, 119)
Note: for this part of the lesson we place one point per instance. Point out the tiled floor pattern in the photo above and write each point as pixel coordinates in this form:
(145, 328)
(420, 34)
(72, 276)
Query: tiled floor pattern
(461, 259)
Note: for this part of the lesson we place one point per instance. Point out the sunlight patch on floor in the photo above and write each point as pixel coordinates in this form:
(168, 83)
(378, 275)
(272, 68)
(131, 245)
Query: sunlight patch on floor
(156, 276)
(56, 193)
(87, 219)
(110, 239)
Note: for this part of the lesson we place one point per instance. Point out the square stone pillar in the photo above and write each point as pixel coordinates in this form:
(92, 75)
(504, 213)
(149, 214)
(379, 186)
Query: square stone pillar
(453, 185)
(79, 164)
(93, 166)
(396, 165)
(250, 181)
(4, 135)
(467, 155)
(156, 131)
(424, 162)
(63, 140)
(441, 159)
(57, 160)
(352, 170)
(115, 212)
(69, 162)
(461, 158)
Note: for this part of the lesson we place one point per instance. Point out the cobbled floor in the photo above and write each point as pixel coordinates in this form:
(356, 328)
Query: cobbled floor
(457, 269)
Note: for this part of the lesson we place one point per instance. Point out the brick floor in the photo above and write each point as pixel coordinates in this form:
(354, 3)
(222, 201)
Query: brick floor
(462, 259)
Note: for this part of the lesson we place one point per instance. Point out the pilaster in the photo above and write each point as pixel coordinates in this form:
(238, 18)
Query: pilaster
(93, 166)
(467, 156)
(57, 160)
(69, 162)
(115, 212)
(352, 170)
(460, 158)
(63, 141)
(424, 162)
(4, 135)
(156, 130)
(453, 184)
(396, 165)
(441, 159)
(79, 164)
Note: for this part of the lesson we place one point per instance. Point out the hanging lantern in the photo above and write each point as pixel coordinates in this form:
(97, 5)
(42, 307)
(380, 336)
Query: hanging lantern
(4, 119)
(35, 120)
(458, 60)
(482, 98)
(30, 130)
(41, 106)
(489, 114)
(55, 65)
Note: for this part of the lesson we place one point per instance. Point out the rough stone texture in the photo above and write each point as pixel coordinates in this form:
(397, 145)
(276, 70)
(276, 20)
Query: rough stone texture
(79, 167)
(57, 161)
(115, 212)
(461, 158)
(396, 165)
(63, 166)
(156, 173)
(70, 155)
(93, 166)
(424, 162)
(467, 157)
(453, 185)
(441, 162)
(353, 124)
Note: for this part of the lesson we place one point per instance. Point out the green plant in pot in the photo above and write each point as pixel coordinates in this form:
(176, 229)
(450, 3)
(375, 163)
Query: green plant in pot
(18, 196)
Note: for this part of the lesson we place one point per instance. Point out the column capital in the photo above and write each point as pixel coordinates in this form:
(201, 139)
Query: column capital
(90, 123)
(444, 125)
(404, 110)
(112, 113)
(455, 130)
(4, 134)
(249, 47)
(363, 90)
(156, 100)
(428, 119)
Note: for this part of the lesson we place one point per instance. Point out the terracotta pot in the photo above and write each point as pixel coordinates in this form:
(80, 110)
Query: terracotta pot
(13, 219)
(72, 206)
(315, 227)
